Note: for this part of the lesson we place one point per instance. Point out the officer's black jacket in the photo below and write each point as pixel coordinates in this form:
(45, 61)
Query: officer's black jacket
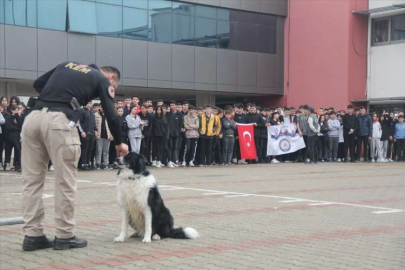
(71, 79)
(240, 118)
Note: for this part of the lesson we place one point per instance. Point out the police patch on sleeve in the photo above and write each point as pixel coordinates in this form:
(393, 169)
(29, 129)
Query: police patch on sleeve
(111, 91)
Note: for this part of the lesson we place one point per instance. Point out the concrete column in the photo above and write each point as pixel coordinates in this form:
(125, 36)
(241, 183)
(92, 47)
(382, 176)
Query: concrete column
(205, 99)
(3, 89)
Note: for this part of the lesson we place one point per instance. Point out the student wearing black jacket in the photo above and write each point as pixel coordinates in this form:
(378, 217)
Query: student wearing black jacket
(87, 130)
(350, 126)
(146, 144)
(391, 151)
(257, 121)
(175, 121)
(240, 118)
(13, 127)
(160, 130)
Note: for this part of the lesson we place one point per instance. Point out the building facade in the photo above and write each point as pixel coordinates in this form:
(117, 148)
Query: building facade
(204, 51)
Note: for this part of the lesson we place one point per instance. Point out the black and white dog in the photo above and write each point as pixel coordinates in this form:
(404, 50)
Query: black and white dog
(142, 206)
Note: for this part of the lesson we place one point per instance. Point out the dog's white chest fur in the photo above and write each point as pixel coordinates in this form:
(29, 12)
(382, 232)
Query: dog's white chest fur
(133, 197)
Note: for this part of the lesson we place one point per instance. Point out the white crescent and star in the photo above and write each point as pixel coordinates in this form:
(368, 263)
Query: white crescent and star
(250, 137)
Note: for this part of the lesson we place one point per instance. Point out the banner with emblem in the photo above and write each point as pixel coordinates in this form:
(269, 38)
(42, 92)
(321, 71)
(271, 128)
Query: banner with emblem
(283, 139)
(247, 141)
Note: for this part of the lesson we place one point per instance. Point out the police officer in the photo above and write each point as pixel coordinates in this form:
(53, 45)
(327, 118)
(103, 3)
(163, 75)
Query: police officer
(49, 134)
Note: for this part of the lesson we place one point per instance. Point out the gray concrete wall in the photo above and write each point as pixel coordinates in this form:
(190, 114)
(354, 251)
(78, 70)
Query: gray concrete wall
(27, 53)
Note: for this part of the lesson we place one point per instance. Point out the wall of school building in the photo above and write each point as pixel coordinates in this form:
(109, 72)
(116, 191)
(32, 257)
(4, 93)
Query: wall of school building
(159, 64)
(386, 63)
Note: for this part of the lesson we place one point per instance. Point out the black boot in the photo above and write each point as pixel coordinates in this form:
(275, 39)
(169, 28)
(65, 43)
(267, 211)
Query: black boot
(74, 242)
(33, 243)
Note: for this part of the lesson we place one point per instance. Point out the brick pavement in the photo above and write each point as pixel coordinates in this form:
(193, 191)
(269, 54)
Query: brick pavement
(285, 216)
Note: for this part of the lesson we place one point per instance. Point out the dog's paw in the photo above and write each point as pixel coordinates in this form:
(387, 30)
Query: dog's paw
(119, 239)
(146, 240)
(156, 237)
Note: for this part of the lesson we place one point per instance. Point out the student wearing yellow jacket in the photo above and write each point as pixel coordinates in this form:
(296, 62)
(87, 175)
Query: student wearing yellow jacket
(208, 128)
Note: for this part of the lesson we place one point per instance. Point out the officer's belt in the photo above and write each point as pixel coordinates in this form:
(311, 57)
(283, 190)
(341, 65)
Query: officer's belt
(55, 106)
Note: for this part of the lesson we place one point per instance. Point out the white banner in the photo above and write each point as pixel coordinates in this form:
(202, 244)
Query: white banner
(283, 139)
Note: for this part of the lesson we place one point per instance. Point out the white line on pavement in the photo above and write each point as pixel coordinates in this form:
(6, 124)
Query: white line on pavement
(382, 210)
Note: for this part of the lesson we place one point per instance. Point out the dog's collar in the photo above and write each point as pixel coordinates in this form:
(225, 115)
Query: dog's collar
(135, 177)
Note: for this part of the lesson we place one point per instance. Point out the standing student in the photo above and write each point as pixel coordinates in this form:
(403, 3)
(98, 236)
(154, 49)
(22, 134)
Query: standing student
(364, 133)
(385, 126)
(146, 145)
(135, 124)
(229, 129)
(239, 118)
(399, 138)
(341, 147)
(88, 129)
(350, 126)
(302, 127)
(191, 126)
(216, 140)
(208, 127)
(174, 119)
(2, 133)
(333, 133)
(160, 129)
(258, 123)
(274, 121)
(391, 151)
(375, 144)
(12, 128)
(313, 133)
(322, 141)
(264, 135)
(124, 125)
(103, 139)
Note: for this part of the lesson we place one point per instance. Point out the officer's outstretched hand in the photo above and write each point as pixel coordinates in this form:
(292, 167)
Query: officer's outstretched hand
(122, 149)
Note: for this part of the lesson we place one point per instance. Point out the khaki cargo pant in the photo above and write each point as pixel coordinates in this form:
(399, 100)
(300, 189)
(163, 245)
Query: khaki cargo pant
(46, 136)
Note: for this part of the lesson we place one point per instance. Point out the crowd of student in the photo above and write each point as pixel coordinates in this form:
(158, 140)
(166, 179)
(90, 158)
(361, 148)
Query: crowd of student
(179, 134)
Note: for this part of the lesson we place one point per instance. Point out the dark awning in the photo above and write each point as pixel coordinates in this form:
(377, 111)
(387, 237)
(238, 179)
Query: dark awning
(379, 10)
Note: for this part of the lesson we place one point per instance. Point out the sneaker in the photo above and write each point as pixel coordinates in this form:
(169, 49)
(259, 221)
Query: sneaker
(339, 160)
(51, 169)
(170, 164)
(275, 161)
(242, 162)
(183, 164)
(309, 162)
(191, 164)
(158, 164)
(74, 242)
(175, 164)
(201, 165)
(34, 243)
(372, 160)
(390, 160)
(98, 167)
(154, 163)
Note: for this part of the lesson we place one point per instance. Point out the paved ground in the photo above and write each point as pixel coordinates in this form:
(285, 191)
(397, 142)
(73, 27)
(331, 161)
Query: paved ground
(285, 216)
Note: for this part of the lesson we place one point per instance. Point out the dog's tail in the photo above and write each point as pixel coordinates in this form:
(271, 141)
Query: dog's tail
(186, 233)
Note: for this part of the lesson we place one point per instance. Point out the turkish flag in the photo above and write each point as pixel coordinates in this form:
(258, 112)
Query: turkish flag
(247, 141)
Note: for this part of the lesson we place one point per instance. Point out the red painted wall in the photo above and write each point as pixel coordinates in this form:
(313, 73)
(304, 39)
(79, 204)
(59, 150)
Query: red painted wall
(322, 68)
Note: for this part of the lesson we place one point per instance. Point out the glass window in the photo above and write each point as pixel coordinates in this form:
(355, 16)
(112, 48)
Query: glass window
(207, 12)
(248, 17)
(109, 20)
(183, 8)
(226, 35)
(21, 13)
(160, 27)
(111, 2)
(136, 3)
(2, 11)
(267, 20)
(227, 14)
(247, 37)
(135, 23)
(380, 31)
(267, 39)
(205, 32)
(82, 17)
(183, 29)
(398, 28)
(52, 14)
(160, 5)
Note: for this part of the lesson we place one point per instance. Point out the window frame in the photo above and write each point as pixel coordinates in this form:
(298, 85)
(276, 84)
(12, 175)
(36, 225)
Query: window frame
(390, 41)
